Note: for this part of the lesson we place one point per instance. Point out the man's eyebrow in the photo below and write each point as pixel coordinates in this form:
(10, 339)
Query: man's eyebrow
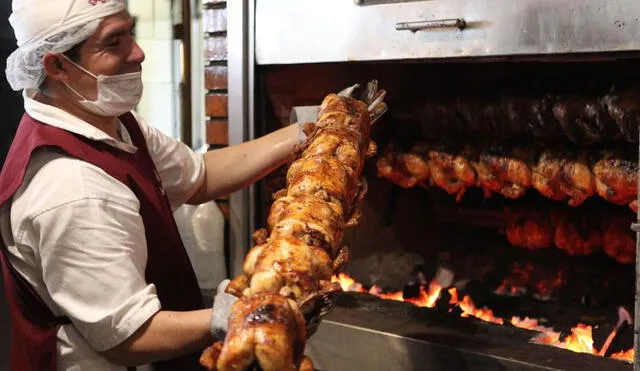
(120, 31)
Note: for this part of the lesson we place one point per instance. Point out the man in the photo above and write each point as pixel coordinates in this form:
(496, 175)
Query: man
(95, 272)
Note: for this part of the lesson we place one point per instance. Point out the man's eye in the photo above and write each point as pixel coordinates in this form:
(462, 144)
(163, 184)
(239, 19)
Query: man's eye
(112, 43)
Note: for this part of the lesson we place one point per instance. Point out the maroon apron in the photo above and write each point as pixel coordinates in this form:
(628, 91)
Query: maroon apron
(33, 325)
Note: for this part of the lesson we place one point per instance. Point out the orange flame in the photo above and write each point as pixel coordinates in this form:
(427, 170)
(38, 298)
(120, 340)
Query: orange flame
(347, 283)
(426, 298)
(485, 314)
(529, 324)
(580, 340)
(377, 291)
(624, 356)
(454, 296)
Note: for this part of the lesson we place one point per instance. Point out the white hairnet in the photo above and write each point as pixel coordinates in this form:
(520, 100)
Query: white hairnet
(51, 26)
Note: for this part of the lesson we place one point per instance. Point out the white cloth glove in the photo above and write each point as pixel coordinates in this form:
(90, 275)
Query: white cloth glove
(302, 115)
(222, 304)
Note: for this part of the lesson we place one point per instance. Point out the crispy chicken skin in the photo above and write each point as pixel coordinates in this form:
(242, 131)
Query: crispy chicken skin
(618, 240)
(547, 174)
(451, 171)
(529, 229)
(264, 329)
(563, 175)
(616, 177)
(576, 234)
(503, 173)
(405, 169)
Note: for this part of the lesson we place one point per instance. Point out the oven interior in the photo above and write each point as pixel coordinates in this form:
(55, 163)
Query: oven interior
(523, 278)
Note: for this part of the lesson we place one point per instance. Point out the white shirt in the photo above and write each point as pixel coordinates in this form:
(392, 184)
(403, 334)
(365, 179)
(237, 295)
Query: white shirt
(75, 234)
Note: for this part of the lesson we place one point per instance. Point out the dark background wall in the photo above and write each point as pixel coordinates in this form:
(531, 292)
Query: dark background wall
(10, 102)
(10, 111)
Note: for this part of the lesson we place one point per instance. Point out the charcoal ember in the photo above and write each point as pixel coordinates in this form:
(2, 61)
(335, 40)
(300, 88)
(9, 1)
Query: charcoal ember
(443, 304)
(623, 105)
(479, 292)
(388, 270)
(411, 291)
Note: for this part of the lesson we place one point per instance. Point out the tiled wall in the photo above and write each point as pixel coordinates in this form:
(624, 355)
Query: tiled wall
(154, 34)
(214, 20)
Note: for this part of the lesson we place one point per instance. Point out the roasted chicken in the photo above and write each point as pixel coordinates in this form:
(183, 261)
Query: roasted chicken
(588, 117)
(529, 229)
(558, 173)
(618, 240)
(532, 115)
(561, 174)
(577, 179)
(548, 174)
(623, 105)
(286, 280)
(502, 172)
(572, 230)
(584, 118)
(616, 177)
(265, 329)
(451, 171)
(406, 169)
(576, 233)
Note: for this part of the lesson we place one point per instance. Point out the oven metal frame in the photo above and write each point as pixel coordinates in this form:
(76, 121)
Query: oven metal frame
(314, 31)
(273, 44)
(241, 67)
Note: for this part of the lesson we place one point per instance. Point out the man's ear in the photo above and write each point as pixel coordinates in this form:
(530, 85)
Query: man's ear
(55, 67)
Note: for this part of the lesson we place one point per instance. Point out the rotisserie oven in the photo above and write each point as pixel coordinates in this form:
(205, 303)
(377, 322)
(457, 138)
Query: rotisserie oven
(497, 232)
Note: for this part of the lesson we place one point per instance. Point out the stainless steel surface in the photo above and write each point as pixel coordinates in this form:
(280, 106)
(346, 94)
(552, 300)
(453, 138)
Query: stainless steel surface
(186, 83)
(241, 121)
(313, 31)
(377, 2)
(385, 335)
(458, 23)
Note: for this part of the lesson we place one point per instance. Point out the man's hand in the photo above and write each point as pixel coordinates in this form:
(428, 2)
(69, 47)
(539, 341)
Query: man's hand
(373, 97)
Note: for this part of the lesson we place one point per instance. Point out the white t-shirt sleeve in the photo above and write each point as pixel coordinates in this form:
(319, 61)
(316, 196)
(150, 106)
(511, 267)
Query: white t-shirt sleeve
(181, 169)
(89, 247)
(93, 256)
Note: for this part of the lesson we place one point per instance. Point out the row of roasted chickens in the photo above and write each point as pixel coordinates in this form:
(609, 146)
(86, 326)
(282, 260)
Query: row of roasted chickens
(573, 231)
(583, 118)
(559, 173)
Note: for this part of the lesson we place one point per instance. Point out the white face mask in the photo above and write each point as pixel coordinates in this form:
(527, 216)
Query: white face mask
(117, 94)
